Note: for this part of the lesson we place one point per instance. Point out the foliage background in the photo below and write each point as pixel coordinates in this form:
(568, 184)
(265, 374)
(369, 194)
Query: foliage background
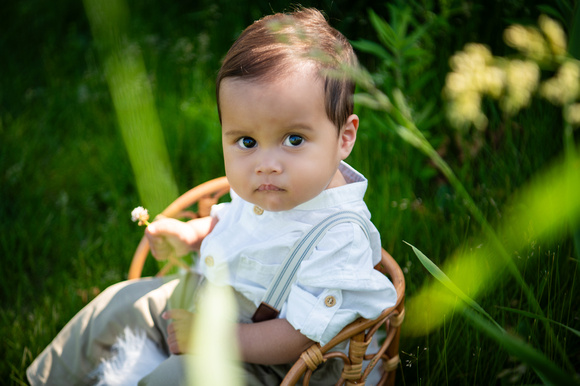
(67, 187)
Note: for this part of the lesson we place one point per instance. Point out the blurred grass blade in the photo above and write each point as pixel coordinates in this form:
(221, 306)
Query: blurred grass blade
(444, 279)
(215, 359)
(134, 103)
(534, 316)
(546, 369)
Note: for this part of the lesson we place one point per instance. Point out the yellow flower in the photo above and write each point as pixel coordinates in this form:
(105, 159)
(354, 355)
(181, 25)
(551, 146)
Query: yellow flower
(528, 40)
(457, 83)
(555, 35)
(516, 36)
(572, 114)
(466, 109)
(564, 87)
(474, 57)
(474, 74)
(492, 81)
(521, 81)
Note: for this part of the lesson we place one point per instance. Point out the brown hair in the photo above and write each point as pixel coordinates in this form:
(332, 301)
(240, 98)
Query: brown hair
(272, 46)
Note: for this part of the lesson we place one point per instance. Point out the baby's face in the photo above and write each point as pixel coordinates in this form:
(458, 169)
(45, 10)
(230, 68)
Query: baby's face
(280, 148)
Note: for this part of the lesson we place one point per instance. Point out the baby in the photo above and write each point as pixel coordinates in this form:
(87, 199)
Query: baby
(287, 126)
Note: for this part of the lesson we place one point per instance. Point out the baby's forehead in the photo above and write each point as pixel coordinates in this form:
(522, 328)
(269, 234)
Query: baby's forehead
(280, 74)
(284, 88)
(283, 102)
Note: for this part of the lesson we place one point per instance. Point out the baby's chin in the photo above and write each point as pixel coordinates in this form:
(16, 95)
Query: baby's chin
(275, 207)
(277, 200)
(273, 202)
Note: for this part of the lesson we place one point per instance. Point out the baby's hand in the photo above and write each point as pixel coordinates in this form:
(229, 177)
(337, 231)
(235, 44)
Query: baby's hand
(169, 236)
(179, 331)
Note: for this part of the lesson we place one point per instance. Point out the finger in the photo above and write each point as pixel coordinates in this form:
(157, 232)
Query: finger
(162, 252)
(172, 339)
(165, 246)
(171, 330)
(159, 246)
(177, 314)
(173, 345)
(164, 227)
(151, 229)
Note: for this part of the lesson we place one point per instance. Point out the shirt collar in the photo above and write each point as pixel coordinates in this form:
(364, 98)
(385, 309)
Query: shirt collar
(354, 190)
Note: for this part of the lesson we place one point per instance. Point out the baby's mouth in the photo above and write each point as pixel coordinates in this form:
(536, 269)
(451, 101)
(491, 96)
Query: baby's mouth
(269, 188)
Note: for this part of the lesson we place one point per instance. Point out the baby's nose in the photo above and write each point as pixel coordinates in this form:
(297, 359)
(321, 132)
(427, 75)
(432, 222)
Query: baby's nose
(268, 164)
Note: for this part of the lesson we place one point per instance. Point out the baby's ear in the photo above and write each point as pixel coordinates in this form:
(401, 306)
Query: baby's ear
(348, 136)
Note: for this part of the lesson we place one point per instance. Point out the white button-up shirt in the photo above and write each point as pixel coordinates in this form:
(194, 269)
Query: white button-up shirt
(335, 286)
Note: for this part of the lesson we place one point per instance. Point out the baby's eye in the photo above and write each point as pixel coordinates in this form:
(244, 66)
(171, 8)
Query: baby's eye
(247, 142)
(293, 140)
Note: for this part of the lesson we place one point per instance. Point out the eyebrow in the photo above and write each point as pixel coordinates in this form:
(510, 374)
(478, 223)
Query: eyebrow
(299, 126)
(234, 133)
(241, 132)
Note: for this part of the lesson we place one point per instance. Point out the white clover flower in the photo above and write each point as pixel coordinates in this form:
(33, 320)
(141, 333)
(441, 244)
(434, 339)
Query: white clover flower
(555, 35)
(140, 214)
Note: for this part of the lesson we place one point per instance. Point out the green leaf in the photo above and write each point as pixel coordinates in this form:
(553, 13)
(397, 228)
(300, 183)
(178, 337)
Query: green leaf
(419, 83)
(384, 31)
(429, 122)
(373, 48)
(444, 279)
(400, 19)
(416, 53)
(417, 35)
(426, 114)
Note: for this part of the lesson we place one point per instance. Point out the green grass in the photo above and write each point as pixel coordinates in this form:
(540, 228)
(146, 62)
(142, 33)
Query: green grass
(67, 189)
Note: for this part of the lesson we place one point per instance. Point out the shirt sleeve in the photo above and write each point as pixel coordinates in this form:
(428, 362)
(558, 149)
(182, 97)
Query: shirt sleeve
(337, 284)
(219, 210)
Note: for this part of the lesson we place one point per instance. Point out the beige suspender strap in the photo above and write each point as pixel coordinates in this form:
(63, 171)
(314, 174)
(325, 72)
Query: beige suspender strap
(280, 286)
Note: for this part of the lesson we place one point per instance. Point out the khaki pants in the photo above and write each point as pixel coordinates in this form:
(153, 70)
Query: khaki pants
(78, 349)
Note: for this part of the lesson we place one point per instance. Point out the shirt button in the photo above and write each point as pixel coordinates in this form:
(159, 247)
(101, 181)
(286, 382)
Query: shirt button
(258, 210)
(209, 261)
(330, 301)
